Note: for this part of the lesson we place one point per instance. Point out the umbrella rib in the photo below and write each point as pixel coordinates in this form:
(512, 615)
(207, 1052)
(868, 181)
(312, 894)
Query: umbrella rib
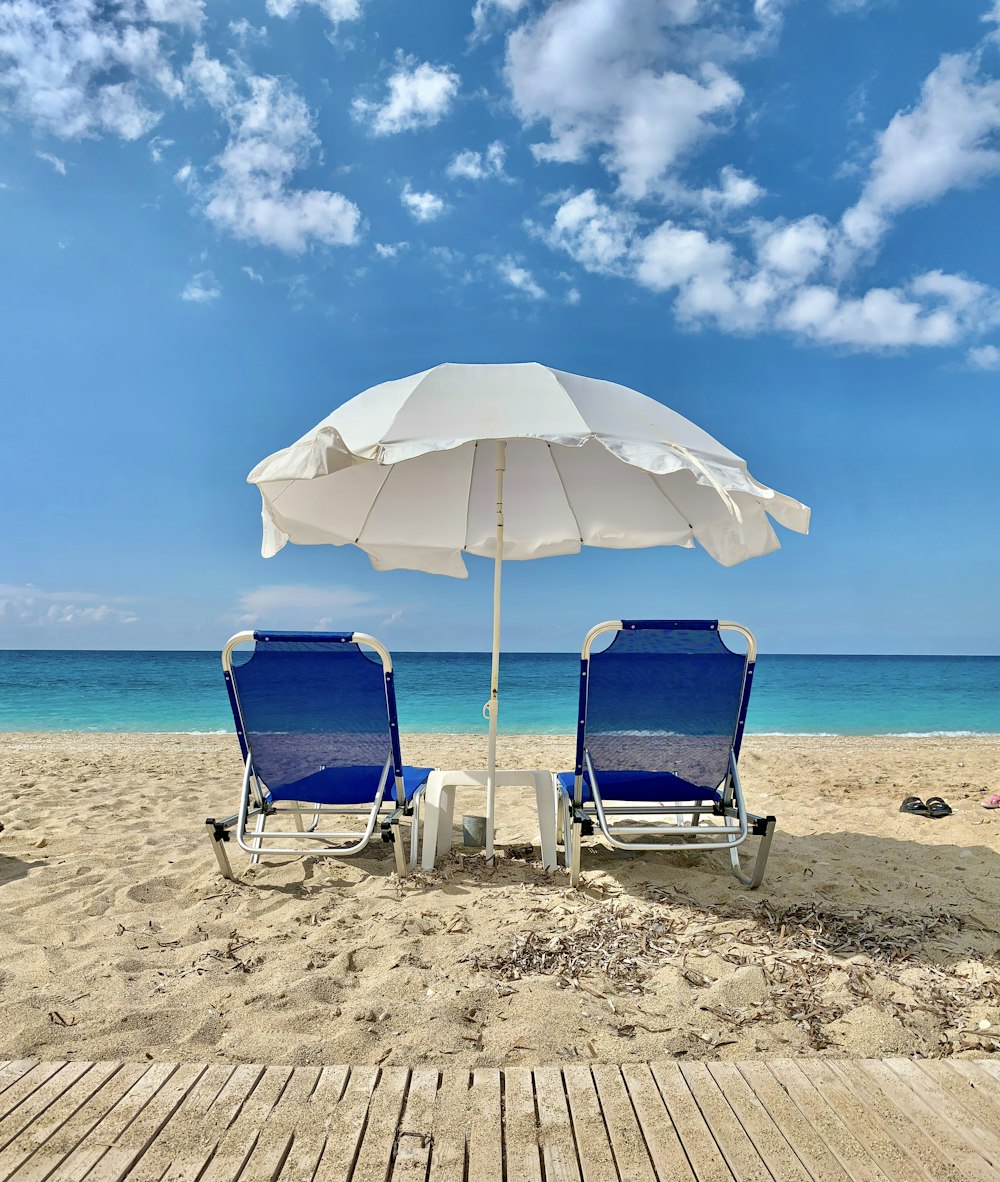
(371, 507)
(468, 502)
(569, 503)
(670, 501)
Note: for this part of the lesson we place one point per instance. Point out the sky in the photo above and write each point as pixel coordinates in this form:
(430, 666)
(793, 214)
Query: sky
(219, 221)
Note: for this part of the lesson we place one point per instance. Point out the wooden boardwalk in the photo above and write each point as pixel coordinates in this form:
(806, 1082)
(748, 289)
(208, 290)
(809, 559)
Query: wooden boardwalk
(894, 1120)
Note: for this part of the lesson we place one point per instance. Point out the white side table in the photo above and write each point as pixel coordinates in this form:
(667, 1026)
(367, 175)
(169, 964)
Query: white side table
(439, 808)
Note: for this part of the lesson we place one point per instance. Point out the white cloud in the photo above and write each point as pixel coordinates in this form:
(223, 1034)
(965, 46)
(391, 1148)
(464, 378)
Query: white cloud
(25, 604)
(590, 231)
(79, 68)
(156, 147)
(186, 13)
(389, 250)
(252, 274)
(334, 10)
(519, 278)
(246, 33)
(184, 174)
(794, 249)
(202, 288)
(479, 166)
(422, 207)
(573, 296)
(485, 11)
(299, 605)
(271, 137)
(986, 357)
(946, 141)
(417, 95)
(647, 89)
(57, 164)
(735, 191)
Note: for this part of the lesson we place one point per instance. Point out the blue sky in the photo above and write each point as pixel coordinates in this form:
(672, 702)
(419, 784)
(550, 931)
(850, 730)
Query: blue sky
(219, 221)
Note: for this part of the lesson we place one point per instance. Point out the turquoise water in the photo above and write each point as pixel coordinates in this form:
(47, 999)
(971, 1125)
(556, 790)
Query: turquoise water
(171, 691)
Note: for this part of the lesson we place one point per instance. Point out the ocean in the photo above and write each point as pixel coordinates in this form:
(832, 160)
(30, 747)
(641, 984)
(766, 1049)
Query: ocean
(444, 692)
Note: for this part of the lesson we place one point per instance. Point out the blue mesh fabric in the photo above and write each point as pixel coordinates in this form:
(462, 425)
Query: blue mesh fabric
(663, 700)
(314, 711)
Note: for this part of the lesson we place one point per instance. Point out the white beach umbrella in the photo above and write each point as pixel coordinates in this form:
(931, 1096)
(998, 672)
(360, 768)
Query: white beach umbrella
(515, 462)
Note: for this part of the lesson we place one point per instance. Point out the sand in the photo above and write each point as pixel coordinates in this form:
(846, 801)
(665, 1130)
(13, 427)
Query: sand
(875, 933)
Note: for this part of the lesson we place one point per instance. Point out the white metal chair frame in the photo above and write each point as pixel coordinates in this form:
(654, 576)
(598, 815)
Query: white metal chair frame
(256, 805)
(577, 817)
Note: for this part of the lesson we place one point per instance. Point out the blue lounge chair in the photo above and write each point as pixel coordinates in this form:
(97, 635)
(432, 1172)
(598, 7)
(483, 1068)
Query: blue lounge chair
(316, 719)
(662, 711)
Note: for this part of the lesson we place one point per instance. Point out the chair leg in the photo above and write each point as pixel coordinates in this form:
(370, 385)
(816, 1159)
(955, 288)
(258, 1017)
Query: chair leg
(256, 843)
(217, 834)
(576, 842)
(756, 876)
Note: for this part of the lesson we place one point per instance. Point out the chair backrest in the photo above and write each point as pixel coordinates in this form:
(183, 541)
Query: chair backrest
(306, 702)
(664, 696)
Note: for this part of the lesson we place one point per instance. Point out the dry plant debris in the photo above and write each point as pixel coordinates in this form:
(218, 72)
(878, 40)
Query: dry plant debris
(798, 948)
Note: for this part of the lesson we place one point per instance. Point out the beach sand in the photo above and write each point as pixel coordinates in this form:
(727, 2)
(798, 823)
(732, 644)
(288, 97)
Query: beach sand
(875, 933)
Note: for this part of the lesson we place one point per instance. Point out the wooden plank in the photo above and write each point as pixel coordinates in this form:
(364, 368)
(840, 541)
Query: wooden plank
(416, 1130)
(984, 1088)
(967, 1107)
(485, 1141)
(187, 1125)
(770, 1143)
(40, 1128)
(22, 1087)
(347, 1126)
(991, 1066)
(808, 1145)
(274, 1142)
(451, 1120)
(384, 1112)
(737, 1148)
(32, 1107)
(627, 1144)
(198, 1131)
(852, 1155)
(892, 1157)
(520, 1126)
(593, 1143)
(11, 1071)
(239, 1140)
(706, 1158)
(658, 1130)
(114, 1122)
(555, 1136)
(136, 1137)
(909, 1135)
(970, 1145)
(312, 1125)
(48, 1159)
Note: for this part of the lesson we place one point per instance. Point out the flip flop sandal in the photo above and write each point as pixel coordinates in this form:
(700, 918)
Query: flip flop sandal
(938, 808)
(992, 803)
(913, 804)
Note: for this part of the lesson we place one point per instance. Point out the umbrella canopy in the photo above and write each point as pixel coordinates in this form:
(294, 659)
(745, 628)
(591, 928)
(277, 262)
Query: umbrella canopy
(512, 462)
(401, 471)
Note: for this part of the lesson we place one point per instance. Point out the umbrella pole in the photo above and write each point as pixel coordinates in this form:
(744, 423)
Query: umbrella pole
(491, 756)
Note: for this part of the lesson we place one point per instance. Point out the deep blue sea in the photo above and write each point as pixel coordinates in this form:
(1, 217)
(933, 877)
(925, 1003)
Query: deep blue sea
(184, 691)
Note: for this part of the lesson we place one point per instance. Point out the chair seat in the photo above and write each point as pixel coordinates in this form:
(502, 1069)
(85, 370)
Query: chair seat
(347, 785)
(646, 786)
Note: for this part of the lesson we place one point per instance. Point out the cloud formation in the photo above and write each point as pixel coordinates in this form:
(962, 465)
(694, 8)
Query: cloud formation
(479, 166)
(519, 278)
(202, 288)
(422, 207)
(300, 605)
(27, 605)
(271, 137)
(418, 95)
